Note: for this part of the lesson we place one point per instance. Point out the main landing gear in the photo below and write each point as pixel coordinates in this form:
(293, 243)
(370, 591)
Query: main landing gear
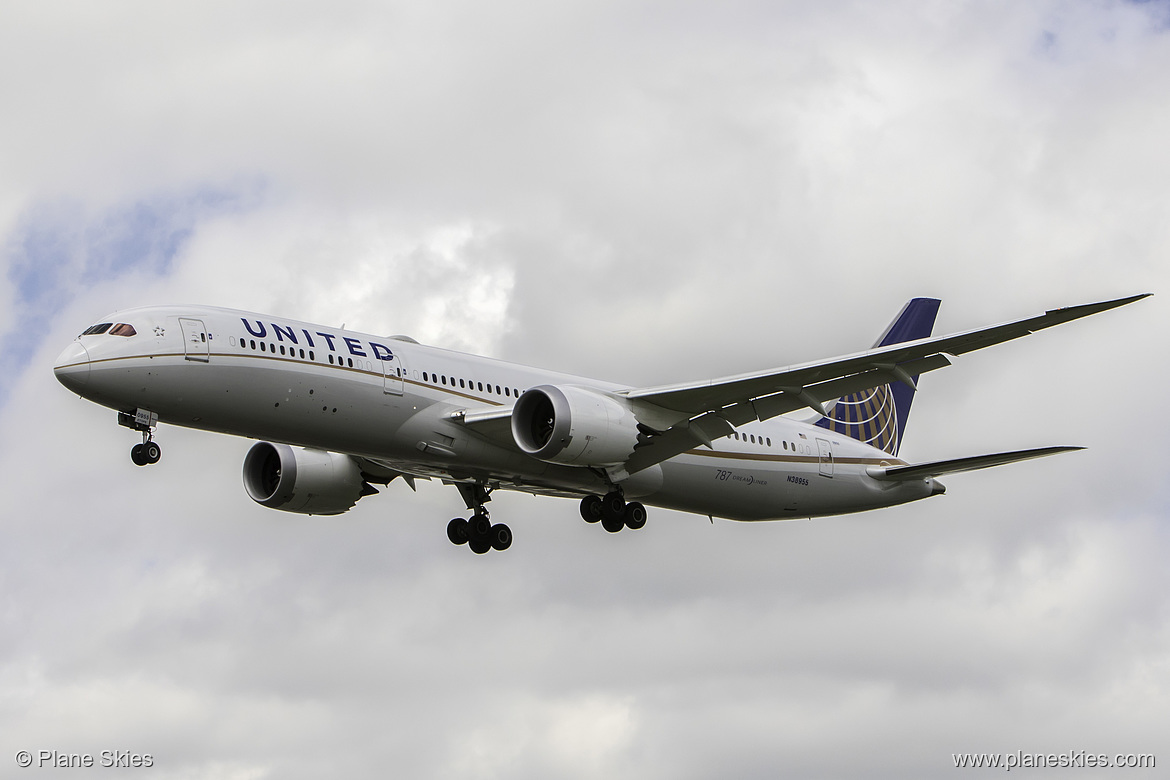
(478, 532)
(613, 512)
(145, 421)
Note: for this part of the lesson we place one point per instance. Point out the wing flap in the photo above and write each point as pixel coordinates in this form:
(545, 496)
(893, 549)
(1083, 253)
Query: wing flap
(788, 401)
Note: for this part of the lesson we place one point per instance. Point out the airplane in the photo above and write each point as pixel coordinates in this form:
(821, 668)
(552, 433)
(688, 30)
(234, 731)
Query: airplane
(336, 412)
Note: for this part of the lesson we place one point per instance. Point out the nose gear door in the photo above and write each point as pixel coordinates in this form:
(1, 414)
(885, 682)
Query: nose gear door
(196, 341)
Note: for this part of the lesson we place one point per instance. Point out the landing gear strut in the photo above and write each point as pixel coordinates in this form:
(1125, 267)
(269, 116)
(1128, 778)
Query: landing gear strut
(142, 420)
(613, 512)
(478, 532)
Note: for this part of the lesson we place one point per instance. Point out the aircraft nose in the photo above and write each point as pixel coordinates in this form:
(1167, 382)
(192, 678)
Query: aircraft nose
(72, 367)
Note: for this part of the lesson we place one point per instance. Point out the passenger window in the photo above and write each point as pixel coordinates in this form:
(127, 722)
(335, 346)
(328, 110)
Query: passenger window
(461, 383)
(282, 349)
(481, 387)
(311, 356)
(331, 360)
(122, 329)
(262, 347)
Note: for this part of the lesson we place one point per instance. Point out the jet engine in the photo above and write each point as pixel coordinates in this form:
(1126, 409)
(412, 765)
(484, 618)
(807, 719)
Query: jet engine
(574, 426)
(311, 482)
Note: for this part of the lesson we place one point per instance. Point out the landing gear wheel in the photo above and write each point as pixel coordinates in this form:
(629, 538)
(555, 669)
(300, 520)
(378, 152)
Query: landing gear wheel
(500, 537)
(477, 531)
(137, 455)
(634, 516)
(591, 509)
(151, 452)
(479, 527)
(458, 531)
(612, 506)
(612, 525)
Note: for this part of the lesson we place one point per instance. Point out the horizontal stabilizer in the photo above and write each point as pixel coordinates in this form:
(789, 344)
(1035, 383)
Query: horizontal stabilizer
(940, 467)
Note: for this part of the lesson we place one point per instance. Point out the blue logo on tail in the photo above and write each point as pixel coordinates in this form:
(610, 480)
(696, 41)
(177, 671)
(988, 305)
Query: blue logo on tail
(877, 416)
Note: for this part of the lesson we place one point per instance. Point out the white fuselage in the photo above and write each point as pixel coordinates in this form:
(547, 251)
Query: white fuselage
(391, 401)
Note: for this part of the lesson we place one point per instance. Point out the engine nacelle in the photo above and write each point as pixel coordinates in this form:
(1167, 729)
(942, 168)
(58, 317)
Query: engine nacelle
(574, 426)
(311, 482)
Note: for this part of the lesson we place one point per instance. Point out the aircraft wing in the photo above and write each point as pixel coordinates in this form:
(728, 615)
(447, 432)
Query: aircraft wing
(940, 467)
(710, 409)
(719, 393)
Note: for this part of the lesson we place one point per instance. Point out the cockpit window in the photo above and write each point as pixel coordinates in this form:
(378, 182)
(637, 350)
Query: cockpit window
(96, 329)
(123, 329)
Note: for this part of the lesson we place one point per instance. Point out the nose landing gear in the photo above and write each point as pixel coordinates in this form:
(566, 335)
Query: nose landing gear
(145, 421)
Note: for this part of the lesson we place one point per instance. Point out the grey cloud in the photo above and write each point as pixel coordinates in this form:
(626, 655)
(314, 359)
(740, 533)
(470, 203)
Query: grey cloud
(644, 193)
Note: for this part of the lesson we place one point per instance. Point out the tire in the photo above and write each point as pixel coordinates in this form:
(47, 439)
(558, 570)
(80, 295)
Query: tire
(458, 531)
(151, 452)
(137, 455)
(591, 509)
(479, 546)
(501, 537)
(479, 527)
(612, 506)
(635, 516)
(612, 525)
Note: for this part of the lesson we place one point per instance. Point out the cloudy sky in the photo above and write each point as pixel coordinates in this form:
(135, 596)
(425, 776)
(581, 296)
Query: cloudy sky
(639, 191)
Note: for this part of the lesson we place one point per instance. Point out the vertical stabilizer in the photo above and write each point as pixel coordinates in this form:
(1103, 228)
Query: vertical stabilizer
(878, 416)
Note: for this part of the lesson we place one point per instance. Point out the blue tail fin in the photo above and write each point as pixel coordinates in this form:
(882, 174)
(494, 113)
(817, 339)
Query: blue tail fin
(878, 416)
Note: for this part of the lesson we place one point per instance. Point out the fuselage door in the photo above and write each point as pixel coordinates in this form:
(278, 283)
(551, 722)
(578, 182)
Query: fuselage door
(826, 455)
(196, 342)
(394, 371)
